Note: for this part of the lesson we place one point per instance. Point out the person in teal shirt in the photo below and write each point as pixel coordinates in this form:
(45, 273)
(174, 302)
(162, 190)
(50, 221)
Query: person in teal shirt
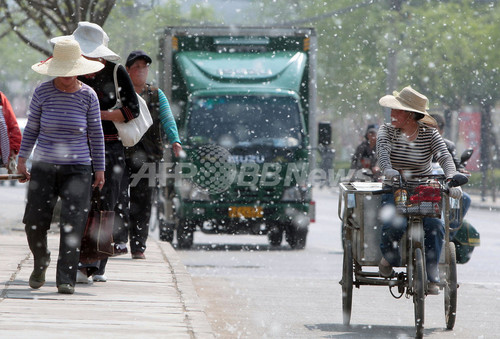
(136, 207)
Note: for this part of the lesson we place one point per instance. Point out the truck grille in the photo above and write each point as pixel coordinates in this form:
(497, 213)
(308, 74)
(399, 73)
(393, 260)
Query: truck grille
(251, 193)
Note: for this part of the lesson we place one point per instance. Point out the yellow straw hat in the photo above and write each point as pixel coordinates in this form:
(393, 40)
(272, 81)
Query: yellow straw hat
(67, 61)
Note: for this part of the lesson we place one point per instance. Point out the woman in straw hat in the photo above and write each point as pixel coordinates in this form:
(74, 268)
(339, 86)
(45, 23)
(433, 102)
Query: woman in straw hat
(94, 44)
(64, 122)
(406, 147)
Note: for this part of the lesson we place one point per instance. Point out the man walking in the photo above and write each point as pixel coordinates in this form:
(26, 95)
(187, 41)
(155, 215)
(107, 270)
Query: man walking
(149, 149)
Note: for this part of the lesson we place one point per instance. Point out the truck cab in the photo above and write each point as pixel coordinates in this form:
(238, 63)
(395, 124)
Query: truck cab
(244, 102)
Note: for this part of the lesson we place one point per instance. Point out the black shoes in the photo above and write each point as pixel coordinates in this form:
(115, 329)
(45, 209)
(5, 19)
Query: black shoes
(37, 278)
(385, 269)
(66, 289)
(432, 288)
(138, 255)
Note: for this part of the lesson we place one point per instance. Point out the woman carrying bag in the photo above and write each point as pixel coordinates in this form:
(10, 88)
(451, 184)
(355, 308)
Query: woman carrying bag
(64, 123)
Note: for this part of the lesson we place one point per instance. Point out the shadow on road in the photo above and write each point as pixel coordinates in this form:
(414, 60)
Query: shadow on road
(234, 247)
(367, 331)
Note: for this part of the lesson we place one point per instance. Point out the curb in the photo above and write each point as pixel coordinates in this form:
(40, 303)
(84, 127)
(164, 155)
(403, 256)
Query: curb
(195, 316)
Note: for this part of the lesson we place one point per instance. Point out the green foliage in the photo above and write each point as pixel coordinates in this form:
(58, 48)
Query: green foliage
(132, 27)
(15, 72)
(475, 180)
(454, 53)
(448, 50)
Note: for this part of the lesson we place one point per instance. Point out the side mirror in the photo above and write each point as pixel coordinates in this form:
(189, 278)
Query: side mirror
(466, 155)
(458, 179)
(324, 133)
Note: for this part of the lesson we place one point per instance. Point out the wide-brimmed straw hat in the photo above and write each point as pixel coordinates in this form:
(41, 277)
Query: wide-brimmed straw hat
(93, 41)
(67, 61)
(409, 100)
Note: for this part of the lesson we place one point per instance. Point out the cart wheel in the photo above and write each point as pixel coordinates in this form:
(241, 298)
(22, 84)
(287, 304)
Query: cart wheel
(419, 292)
(347, 281)
(450, 289)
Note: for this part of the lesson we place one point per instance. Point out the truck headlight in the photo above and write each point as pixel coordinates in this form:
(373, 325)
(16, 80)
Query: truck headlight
(292, 194)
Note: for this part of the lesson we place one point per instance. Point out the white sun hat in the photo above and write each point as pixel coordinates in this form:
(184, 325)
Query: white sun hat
(67, 61)
(409, 100)
(93, 41)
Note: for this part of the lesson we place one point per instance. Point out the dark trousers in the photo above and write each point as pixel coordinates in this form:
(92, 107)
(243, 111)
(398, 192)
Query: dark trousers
(395, 227)
(135, 203)
(72, 183)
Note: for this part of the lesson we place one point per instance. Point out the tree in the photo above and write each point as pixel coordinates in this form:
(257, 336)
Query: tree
(50, 18)
(456, 59)
(445, 49)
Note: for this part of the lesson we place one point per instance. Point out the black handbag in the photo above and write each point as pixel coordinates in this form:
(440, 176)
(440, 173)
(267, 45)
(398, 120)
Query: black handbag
(97, 242)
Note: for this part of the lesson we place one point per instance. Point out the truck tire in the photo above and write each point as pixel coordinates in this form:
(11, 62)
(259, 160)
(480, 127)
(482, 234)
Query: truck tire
(185, 232)
(296, 237)
(275, 235)
(166, 230)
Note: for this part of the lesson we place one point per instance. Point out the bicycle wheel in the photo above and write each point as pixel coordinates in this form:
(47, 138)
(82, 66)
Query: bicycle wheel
(450, 289)
(419, 292)
(347, 281)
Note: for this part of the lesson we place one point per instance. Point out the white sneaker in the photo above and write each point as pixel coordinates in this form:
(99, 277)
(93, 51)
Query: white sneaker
(100, 278)
(81, 278)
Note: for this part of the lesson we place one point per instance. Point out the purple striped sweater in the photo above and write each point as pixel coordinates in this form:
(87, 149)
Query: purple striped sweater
(63, 125)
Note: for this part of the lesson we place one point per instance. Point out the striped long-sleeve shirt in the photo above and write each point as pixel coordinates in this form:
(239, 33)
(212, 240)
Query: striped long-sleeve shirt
(63, 125)
(413, 157)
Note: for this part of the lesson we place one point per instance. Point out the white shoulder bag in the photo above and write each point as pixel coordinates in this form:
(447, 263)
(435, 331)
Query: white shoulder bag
(132, 131)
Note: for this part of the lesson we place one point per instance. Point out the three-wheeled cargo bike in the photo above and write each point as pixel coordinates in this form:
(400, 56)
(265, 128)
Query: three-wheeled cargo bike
(359, 209)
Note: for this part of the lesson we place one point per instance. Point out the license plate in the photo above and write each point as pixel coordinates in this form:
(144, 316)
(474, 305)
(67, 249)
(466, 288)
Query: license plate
(245, 212)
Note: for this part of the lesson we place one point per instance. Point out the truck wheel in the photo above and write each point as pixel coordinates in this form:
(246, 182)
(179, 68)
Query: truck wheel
(166, 230)
(275, 235)
(184, 234)
(296, 237)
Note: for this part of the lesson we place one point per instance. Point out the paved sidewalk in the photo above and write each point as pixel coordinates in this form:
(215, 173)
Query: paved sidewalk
(488, 202)
(152, 298)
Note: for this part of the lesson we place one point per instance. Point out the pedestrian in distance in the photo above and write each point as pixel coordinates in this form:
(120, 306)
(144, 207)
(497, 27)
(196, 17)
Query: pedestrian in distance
(365, 156)
(94, 44)
(406, 147)
(10, 135)
(64, 122)
(150, 149)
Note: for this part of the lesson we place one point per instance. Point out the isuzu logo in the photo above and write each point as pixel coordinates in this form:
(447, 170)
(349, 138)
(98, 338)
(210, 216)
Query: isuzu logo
(246, 159)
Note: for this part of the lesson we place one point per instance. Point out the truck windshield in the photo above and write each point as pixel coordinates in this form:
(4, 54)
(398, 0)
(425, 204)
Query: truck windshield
(245, 120)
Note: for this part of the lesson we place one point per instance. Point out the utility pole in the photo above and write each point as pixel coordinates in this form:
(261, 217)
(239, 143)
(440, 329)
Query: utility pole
(392, 59)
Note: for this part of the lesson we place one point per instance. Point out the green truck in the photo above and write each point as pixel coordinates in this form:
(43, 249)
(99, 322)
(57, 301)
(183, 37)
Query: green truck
(244, 100)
